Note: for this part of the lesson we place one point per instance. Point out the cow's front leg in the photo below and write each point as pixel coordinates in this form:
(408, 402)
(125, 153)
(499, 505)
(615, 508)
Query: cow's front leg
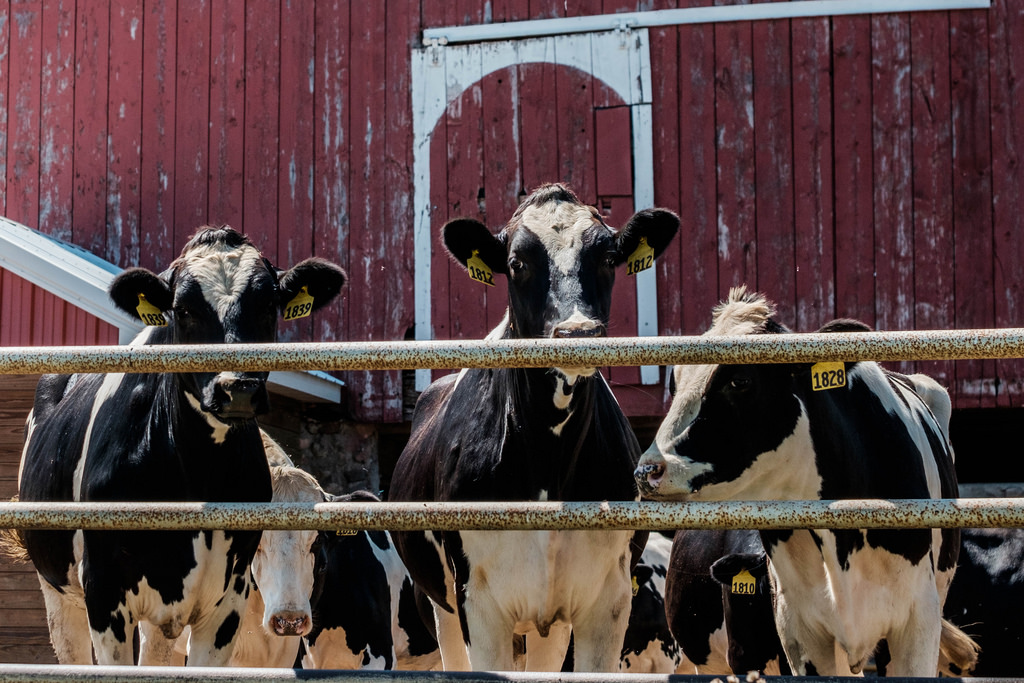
(113, 645)
(490, 633)
(915, 647)
(213, 635)
(68, 623)
(156, 649)
(601, 629)
(548, 653)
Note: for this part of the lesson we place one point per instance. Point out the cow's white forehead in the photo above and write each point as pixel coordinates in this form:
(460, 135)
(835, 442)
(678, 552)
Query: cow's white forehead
(743, 313)
(560, 227)
(223, 272)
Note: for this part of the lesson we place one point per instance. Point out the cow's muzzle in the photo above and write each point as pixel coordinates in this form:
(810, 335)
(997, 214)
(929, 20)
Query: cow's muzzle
(648, 476)
(289, 623)
(238, 397)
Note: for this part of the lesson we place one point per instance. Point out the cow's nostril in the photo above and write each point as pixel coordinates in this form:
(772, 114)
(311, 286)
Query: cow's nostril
(650, 474)
(290, 625)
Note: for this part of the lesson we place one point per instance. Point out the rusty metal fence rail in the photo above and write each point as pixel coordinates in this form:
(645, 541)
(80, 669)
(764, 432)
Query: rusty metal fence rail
(879, 346)
(522, 353)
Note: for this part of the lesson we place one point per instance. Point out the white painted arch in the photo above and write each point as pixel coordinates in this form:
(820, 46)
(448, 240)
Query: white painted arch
(441, 74)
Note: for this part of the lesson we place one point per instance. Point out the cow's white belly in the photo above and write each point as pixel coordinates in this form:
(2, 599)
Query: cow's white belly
(538, 578)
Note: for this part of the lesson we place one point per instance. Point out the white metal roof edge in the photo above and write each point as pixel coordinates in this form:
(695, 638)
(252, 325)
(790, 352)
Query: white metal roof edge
(691, 15)
(81, 278)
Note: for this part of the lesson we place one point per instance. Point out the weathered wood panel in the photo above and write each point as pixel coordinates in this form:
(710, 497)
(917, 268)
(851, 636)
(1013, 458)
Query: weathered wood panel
(23, 637)
(854, 166)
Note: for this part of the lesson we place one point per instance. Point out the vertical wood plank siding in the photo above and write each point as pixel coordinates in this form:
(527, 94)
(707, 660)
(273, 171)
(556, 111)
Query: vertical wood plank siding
(859, 167)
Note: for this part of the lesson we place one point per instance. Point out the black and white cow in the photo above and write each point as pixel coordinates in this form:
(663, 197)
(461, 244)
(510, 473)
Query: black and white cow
(161, 437)
(649, 647)
(763, 432)
(365, 614)
(987, 598)
(530, 434)
(722, 630)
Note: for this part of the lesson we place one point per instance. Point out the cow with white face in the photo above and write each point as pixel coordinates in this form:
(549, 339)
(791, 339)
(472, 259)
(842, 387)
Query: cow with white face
(530, 434)
(763, 432)
(162, 437)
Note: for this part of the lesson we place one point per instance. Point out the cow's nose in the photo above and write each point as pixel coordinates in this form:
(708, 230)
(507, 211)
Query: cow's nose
(240, 396)
(570, 330)
(649, 475)
(290, 623)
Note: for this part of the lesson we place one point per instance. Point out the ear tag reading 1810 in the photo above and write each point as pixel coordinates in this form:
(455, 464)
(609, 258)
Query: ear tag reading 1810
(641, 259)
(345, 532)
(478, 270)
(149, 313)
(826, 376)
(300, 306)
(743, 583)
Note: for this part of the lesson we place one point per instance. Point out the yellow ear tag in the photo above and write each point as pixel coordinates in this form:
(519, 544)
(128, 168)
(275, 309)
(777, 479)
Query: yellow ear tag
(149, 313)
(300, 306)
(641, 259)
(825, 376)
(744, 583)
(345, 532)
(636, 586)
(478, 270)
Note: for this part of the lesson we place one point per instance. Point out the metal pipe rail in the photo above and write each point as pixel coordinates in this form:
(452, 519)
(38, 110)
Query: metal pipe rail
(816, 514)
(523, 353)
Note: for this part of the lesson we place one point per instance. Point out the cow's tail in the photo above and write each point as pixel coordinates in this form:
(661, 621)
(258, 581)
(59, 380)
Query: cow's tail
(12, 544)
(958, 653)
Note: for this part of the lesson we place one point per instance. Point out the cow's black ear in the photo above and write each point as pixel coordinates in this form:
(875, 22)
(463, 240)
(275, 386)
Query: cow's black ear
(463, 236)
(127, 286)
(321, 278)
(729, 566)
(659, 226)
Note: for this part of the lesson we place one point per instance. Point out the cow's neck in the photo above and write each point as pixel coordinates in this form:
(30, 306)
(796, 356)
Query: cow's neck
(556, 414)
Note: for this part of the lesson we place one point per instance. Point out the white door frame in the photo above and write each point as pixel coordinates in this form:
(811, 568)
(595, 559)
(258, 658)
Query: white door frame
(441, 74)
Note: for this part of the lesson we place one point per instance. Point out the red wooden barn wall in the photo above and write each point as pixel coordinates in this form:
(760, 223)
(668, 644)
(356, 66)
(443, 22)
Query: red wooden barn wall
(855, 166)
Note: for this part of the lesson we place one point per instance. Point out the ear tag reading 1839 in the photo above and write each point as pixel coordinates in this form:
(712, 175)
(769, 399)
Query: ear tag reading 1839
(743, 583)
(149, 313)
(825, 376)
(300, 306)
(641, 259)
(478, 270)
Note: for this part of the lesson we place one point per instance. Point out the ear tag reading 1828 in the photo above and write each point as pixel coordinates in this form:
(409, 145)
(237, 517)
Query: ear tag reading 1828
(478, 270)
(300, 306)
(744, 583)
(641, 259)
(149, 313)
(825, 376)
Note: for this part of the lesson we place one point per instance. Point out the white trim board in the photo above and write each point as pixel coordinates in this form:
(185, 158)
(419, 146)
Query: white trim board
(440, 75)
(81, 278)
(448, 35)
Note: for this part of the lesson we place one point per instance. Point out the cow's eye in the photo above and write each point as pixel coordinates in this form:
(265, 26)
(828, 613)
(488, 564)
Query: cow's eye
(740, 383)
(515, 265)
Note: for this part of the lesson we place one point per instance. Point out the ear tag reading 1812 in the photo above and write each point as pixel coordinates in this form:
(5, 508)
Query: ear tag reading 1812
(300, 306)
(743, 583)
(641, 259)
(826, 376)
(478, 270)
(149, 313)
